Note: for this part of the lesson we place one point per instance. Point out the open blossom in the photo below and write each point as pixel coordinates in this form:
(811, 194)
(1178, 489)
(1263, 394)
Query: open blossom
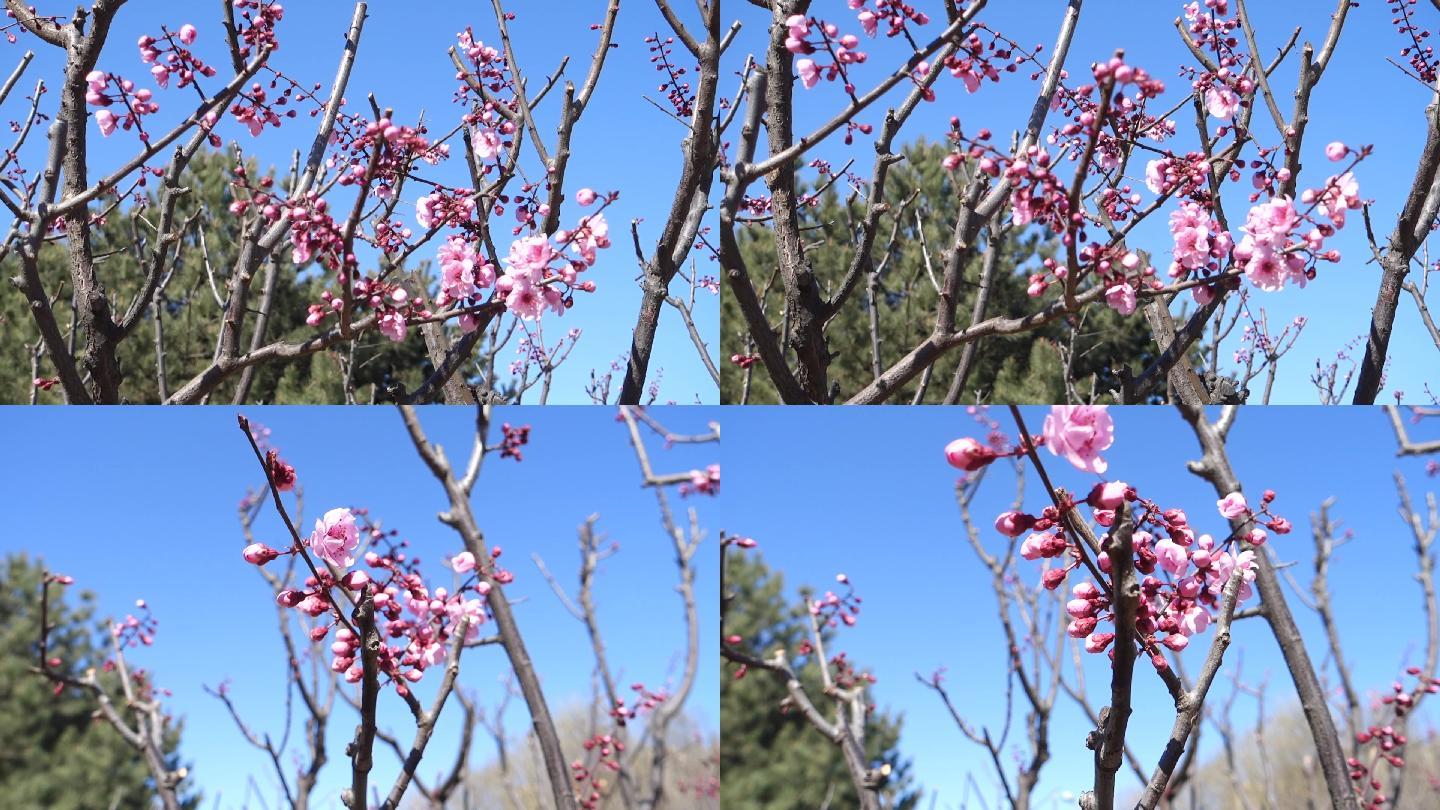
(1340, 194)
(1199, 239)
(1264, 252)
(392, 325)
(106, 121)
(808, 71)
(463, 562)
(1121, 298)
(1221, 101)
(335, 538)
(1078, 433)
(1233, 506)
(486, 143)
(1172, 556)
(462, 272)
(529, 257)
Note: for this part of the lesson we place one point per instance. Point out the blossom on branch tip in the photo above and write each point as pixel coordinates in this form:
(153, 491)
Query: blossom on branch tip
(1078, 433)
(335, 538)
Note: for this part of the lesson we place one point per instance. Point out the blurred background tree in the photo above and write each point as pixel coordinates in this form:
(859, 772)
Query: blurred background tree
(514, 779)
(773, 759)
(1032, 367)
(58, 754)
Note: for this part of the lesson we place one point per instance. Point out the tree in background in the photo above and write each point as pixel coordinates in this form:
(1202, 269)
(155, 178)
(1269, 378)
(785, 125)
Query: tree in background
(774, 759)
(1072, 358)
(181, 329)
(515, 778)
(59, 752)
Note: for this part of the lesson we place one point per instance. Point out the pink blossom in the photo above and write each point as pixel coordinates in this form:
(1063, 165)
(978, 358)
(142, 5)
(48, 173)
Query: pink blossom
(462, 272)
(968, 454)
(486, 143)
(335, 538)
(1221, 101)
(1233, 506)
(1078, 433)
(187, 34)
(808, 71)
(1109, 495)
(1194, 620)
(585, 196)
(106, 121)
(1336, 151)
(1172, 556)
(1340, 194)
(522, 296)
(1198, 239)
(1121, 298)
(529, 257)
(392, 324)
(463, 562)
(1013, 524)
(1097, 642)
(868, 21)
(259, 554)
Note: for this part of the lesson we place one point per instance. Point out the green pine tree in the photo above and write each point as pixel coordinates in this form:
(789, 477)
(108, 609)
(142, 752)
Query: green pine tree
(190, 315)
(774, 759)
(58, 753)
(906, 299)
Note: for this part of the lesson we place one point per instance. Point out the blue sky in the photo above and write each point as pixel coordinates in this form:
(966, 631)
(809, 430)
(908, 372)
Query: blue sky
(160, 492)
(882, 510)
(622, 144)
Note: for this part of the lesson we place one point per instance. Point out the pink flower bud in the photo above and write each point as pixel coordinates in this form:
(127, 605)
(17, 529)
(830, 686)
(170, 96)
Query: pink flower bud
(1108, 495)
(259, 554)
(968, 454)
(585, 196)
(1013, 524)
(1097, 642)
(290, 598)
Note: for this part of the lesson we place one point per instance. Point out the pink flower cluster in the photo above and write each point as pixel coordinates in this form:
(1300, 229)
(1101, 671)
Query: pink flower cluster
(445, 207)
(170, 55)
(463, 274)
(1183, 573)
(843, 49)
(105, 89)
(416, 623)
(834, 609)
(1201, 245)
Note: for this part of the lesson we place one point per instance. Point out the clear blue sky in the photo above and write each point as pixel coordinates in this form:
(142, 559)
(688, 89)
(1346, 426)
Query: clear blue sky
(1362, 100)
(159, 493)
(622, 144)
(882, 510)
